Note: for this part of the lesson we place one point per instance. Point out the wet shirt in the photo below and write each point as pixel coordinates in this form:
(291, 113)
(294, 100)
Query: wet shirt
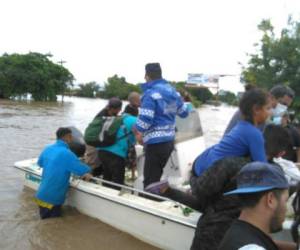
(160, 105)
(58, 162)
(243, 140)
(120, 148)
(249, 237)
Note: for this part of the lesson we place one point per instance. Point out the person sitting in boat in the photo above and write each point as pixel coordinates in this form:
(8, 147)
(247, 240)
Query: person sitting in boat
(218, 211)
(58, 163)
(245, 139)
(114, 157)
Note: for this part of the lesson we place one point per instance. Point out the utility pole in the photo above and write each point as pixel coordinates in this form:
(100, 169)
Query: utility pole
(61, 62)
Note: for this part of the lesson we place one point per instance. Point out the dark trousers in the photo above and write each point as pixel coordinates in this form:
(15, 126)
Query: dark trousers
(46, 213)
(156, 157)
(113, 167)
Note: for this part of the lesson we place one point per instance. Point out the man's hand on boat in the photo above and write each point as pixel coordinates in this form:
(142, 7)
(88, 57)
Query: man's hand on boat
(86, 177)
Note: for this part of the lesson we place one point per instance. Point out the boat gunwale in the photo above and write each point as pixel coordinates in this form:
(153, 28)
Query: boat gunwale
(165, 217)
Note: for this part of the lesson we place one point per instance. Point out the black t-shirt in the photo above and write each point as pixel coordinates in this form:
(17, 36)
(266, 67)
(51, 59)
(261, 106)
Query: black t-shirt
(241, 234)
(291, 151)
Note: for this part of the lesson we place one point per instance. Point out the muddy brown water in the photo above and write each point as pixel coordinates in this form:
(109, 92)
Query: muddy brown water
(25, 128)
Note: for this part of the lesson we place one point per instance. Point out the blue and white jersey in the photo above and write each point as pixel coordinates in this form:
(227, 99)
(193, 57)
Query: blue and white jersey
(160, 105)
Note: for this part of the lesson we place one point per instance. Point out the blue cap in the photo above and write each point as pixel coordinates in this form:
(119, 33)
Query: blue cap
(256, 177)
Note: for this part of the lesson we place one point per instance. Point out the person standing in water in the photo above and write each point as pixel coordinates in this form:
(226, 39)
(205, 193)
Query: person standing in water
(58, 163)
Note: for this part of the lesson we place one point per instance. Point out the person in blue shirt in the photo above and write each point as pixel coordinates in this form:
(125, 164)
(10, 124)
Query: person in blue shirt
(156, 121)
(58, 163)
(114, 157)
(245, 139)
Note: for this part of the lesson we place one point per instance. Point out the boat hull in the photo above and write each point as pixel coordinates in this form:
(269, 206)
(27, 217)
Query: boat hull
(157, 223)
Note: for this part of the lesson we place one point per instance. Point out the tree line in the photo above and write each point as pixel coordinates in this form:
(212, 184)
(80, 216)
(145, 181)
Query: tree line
(276, 61)
(33, 73)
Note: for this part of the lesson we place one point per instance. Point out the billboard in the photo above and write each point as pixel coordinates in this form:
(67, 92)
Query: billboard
(203, 80)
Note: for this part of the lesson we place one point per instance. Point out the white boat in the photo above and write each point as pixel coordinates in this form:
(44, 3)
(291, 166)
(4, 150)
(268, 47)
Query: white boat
(162, 223)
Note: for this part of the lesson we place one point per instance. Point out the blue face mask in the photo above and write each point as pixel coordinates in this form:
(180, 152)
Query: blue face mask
(279, 110)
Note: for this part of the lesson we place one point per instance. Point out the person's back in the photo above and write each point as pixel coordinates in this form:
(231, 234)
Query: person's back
(245, 139)
(114, 157)
(156, 121)
(58, 162)
(160, 105)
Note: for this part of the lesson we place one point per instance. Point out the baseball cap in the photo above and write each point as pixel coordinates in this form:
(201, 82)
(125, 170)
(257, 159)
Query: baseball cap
(114, 102)
(259, 176)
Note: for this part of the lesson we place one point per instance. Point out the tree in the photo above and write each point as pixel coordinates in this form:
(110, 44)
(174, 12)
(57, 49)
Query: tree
(87, 90)
(32, 73)
(117, 86)
(277, 59)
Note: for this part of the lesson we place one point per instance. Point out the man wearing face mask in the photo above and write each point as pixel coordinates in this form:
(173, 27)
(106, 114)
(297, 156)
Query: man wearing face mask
(281, 98)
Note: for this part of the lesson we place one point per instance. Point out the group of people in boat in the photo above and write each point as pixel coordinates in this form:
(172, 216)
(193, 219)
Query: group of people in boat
(239, 185)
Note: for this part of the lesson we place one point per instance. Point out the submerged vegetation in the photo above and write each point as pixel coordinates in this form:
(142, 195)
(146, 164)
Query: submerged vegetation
(34, 74)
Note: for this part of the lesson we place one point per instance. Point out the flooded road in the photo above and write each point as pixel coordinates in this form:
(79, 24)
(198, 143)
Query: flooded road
(25, 128)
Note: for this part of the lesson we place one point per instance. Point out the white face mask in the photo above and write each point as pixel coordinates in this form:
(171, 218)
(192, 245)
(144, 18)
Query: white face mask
(279, 110)
(277, 120)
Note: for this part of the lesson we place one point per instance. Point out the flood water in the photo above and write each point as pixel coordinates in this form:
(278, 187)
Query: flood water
(25, 128)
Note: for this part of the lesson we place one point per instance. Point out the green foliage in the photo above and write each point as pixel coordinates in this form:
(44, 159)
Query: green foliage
(117, 86)
(197, 96)
(87, 90)
(32, 73)
(228, 97)
(277, 60)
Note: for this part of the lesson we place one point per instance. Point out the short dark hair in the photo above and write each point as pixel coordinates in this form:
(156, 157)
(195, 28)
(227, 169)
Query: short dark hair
(129, 109)
(282, 90)
(250, 200)
(153, 71)
(277, 139)
(114, 103)
(249, 86)
(251, 98)
(61, 132)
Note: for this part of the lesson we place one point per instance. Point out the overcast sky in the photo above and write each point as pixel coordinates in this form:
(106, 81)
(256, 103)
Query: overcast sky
(104, 37)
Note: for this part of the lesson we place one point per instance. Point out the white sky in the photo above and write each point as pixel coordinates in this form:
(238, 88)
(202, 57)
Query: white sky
(100, 38)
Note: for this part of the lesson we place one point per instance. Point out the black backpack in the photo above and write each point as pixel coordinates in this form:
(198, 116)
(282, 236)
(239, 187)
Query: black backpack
(102, 131)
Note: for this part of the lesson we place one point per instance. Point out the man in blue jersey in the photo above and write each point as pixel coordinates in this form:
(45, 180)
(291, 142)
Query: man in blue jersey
(156, 121)
(58, 162)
